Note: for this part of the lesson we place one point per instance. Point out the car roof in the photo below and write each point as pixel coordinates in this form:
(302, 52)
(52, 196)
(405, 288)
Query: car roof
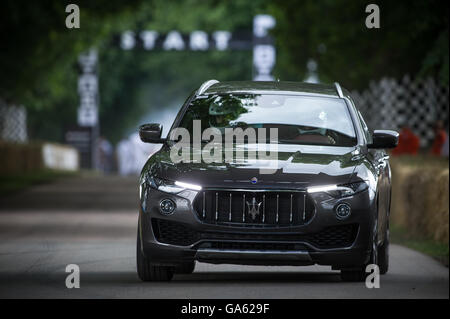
(273, 87)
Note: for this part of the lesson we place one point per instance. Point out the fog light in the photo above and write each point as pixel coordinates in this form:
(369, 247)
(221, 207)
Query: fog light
(343, 211)
(167, 206)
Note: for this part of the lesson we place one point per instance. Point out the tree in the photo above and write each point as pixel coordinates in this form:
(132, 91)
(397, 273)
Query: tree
(412, 39)
(38, 59)
(39, 52)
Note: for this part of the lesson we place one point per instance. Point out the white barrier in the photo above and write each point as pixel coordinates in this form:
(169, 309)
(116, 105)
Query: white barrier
(60, 157)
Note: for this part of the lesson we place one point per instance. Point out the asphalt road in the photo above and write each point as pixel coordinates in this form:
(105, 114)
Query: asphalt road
(91, 222)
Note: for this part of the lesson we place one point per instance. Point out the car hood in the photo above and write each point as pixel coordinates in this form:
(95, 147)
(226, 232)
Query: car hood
(296, 166)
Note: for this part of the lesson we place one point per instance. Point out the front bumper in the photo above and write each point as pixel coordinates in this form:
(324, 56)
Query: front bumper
(321, 241)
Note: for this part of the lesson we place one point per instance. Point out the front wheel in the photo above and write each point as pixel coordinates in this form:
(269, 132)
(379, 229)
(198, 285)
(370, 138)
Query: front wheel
(148, 272)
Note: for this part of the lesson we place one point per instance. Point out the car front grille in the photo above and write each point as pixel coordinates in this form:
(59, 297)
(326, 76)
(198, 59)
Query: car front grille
(180, 234)
(247, 208)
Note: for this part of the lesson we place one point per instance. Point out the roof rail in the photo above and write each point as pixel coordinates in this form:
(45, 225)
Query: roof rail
(338, 89)
(205, 86)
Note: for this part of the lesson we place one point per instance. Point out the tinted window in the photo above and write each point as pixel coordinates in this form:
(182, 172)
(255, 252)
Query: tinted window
(299, 119)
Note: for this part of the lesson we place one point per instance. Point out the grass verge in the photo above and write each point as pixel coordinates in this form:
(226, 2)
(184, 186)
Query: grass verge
(13, 183)
(437, 250)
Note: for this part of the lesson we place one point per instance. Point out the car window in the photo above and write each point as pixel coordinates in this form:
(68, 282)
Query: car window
(298, 119)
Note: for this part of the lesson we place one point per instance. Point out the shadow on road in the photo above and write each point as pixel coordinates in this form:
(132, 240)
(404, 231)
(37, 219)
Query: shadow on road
(260, 277)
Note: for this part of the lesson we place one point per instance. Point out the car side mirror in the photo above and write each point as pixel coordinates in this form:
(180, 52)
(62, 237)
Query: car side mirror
(384, 139)
(151, 133)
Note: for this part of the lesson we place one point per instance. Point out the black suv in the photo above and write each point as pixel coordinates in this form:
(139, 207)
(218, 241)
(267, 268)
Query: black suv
(321, 196)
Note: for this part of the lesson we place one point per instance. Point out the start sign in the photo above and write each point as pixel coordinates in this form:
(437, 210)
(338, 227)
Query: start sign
(259, 41)
(174, 40)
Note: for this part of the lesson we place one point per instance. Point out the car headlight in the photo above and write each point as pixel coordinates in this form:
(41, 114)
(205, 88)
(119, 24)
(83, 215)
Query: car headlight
(172, 187)
(340, 191)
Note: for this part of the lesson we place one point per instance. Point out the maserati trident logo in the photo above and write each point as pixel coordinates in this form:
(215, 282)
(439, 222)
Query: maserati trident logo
(253, 208)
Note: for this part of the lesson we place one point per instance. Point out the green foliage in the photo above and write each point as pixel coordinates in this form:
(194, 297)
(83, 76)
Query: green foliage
(206, 15)
(39, 58)
(413, 39)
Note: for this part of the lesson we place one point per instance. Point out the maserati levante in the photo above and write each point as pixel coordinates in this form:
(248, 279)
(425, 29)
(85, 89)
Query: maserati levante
(265, 173)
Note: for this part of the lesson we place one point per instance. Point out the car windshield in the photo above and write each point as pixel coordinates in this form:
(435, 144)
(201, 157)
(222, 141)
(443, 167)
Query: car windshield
(299, 119)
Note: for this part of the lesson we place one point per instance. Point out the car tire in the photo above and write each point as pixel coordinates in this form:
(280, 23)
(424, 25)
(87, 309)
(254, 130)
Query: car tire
(383, 254)
(185, 268)
(148, 272)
